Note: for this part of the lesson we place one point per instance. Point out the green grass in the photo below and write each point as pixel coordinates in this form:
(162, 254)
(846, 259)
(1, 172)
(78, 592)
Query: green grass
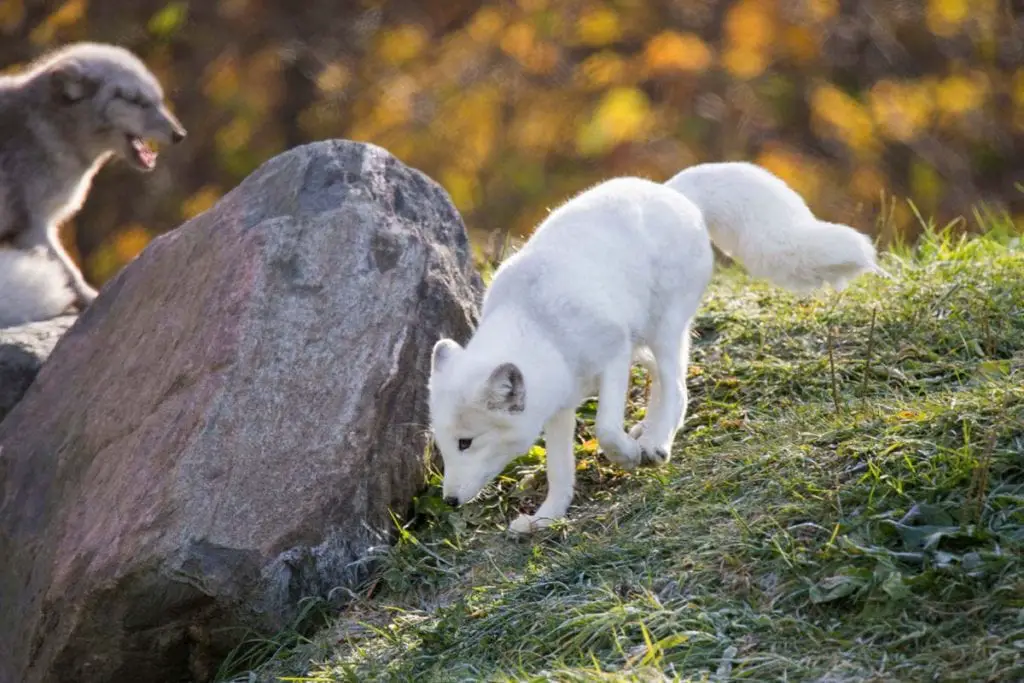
(852, 519)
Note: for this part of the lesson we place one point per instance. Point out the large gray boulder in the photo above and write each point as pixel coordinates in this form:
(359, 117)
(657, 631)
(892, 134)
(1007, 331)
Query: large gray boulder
(23, 349)
(225, 430)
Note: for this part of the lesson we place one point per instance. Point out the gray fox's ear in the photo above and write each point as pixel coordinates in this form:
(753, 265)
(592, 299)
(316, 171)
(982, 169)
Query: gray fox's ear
(70, 84)
(506, 389)
(443, 350)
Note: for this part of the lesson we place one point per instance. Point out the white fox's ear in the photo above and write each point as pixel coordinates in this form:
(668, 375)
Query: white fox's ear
(444, 349)
(505, 389)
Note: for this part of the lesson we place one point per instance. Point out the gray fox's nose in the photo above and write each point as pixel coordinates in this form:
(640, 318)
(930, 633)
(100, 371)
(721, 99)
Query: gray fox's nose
(452, 501)
(178, 134)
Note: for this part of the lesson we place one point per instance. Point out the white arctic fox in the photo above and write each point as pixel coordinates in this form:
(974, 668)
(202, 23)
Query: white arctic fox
(614, 276)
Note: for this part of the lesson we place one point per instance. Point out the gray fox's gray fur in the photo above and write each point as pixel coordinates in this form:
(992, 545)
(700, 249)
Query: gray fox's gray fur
(33, 287)
(61, 119)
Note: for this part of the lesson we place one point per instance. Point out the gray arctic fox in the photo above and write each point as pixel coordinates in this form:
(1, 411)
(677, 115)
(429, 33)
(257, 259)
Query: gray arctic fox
(61, 119)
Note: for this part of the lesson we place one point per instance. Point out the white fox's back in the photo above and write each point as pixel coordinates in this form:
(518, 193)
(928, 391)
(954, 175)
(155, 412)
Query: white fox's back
(32, 287)
(613, 252)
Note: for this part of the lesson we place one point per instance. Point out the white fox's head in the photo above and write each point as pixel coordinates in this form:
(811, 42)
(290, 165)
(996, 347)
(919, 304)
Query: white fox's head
(479, 418)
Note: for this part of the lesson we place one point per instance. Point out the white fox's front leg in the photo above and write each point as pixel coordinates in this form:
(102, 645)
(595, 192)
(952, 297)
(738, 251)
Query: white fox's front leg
(618, 447)
(637, 430)
(559, 434)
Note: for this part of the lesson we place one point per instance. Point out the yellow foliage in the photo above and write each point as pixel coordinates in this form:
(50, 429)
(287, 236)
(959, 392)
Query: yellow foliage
(673, 51)
(836, 112)
(68, 14)
(925, 185)
(598, 71)
(801, 44)
(463, 101)
(901, 110)
(597, 27)
(200, 201)
(468, 124)
(867, 183)
(169, 19)
(391, 108)
(12, 13)
(794, 168)
(129, 242)
(333, 78)
(262, 80)
(959, 94)
(750, 23)
(540, 128)
(485, 25)
(542, 59)
(463, 188)
(323, 119)
(944, 17)
(234, 136)
(1017, 95)
(622, 115)
(821, 10)
(401, 44)
(749, 32)
(221, 81)
(745, 63)
(1017, 88)
(519, 40)
(478, 121)
(532, 5)
(103, 263)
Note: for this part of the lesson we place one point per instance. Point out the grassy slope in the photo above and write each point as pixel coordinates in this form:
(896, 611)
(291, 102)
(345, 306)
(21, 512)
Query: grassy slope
(788, 540)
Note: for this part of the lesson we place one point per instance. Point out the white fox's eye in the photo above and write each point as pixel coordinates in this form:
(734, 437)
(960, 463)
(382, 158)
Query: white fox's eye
(465, 443)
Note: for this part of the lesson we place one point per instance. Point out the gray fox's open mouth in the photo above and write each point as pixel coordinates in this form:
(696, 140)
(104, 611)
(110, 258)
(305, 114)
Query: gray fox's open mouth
(144, 155)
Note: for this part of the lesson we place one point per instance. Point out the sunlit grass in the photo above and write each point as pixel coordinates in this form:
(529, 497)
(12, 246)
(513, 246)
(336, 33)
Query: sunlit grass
(859, 519)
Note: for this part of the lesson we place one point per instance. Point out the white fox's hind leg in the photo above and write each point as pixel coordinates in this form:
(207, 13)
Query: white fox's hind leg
(559, 434)
(667, 408)
(618, 447)
(670, 408)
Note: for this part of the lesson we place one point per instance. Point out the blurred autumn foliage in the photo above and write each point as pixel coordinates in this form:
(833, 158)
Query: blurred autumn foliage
(515, 105)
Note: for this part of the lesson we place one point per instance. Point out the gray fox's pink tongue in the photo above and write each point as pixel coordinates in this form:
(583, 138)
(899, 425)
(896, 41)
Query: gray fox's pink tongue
(144, 153)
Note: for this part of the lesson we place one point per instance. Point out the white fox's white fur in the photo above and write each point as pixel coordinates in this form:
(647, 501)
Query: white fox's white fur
(611, 277)
(756, 218)
(33, 287)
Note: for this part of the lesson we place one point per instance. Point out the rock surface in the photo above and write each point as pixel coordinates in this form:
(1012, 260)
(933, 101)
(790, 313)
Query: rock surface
(224, 431)
(23, 349)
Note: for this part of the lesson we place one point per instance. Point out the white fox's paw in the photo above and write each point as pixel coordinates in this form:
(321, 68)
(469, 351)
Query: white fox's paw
(527, 524)
(637, 430)
(654, 455)
(624, 452)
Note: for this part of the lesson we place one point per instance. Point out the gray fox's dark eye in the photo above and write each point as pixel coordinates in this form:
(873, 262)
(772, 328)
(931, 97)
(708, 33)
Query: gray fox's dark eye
(465, 443)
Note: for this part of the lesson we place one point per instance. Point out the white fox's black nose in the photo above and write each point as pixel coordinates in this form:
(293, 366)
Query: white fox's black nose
(178, 134)
(452, 501)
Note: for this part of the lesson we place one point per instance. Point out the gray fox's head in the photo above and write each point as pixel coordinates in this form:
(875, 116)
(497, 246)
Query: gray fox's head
(108, 102)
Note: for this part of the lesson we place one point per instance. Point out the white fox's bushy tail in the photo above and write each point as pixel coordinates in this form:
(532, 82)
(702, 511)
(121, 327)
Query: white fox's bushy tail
(32, 287)
(757, 219)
